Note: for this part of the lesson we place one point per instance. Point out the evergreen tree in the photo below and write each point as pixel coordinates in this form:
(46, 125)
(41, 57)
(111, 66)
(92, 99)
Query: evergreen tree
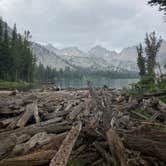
(1, 55)
(17, 61)
(1, 30)
(6, 56)
(28, 59)
(152, 48)
(141, 62)
(15, 54)
(161, 3)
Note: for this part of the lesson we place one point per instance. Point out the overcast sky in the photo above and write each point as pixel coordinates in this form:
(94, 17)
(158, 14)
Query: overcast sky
(114, 24)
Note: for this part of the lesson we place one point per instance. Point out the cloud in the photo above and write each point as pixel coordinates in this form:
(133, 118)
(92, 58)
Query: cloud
(84, 23)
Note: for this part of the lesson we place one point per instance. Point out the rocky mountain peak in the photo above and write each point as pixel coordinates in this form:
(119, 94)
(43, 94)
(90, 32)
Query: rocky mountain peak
(101, 51)
(71, 51)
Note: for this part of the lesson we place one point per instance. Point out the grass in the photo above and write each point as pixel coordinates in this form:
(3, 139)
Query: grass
(15, 85)
(142, 88)
(76, 163)
(163, 99)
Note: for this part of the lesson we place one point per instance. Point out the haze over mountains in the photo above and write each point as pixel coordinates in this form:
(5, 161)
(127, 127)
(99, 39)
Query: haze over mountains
(97, 58)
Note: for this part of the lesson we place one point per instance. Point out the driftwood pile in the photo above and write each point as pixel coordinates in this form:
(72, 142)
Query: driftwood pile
(100, 127)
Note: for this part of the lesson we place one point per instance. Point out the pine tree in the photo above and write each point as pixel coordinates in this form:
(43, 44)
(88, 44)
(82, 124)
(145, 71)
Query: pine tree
(161, 3)
(15, 55)
(17, 61)
(1, 30)
(152, 48)
(6, 56)
(141, 62)
(1, 55)
(28, 59)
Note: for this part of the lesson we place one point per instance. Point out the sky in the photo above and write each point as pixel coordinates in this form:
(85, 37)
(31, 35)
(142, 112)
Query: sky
(114, 24)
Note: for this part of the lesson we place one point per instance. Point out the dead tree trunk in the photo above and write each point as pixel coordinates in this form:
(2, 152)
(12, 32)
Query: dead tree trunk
(62, 156)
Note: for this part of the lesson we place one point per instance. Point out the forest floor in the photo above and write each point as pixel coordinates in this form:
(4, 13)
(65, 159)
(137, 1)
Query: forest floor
(74, 127)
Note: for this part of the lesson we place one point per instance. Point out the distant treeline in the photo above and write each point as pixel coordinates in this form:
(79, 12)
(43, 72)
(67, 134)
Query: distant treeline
(47, 74)
(17, 61)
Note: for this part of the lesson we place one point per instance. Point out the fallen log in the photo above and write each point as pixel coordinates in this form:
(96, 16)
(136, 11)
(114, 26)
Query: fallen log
(9, 111)
(92, 90)
(49, 126)
(29, 112)
(33, 159)
(150, 143)
(106, 156)
(7, 121)
(62, 156)
(56, 114)
(163, 93)
(116, 147)
(40, 141)
(36, 112)
(37, 140)
(76, 111)
(6, 146)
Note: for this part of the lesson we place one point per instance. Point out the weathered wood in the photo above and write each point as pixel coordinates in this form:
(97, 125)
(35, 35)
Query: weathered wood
(13, 124)
(9, 138)
(5, 122)
(98, 110)
(62, 156)
(29, 112)
(33, 159)
(99, 162)
(92, 90)
(36, 113)
(6, 145)
(147, 146)
(10, 111)
(163, 93)
(49, 126)
(116, 147)
(37, 140)
(76, 111)
(56, 114)
(103, 153)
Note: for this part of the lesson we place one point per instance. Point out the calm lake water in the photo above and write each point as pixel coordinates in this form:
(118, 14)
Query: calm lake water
(99, 82)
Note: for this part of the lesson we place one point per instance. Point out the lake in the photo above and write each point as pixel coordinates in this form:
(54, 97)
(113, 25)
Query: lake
(98, 82)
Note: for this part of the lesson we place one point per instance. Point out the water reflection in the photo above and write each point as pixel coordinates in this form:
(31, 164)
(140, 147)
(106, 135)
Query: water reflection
(98, 82)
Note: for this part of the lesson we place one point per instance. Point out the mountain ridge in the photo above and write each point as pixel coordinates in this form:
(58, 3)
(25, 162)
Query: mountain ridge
(97, 58)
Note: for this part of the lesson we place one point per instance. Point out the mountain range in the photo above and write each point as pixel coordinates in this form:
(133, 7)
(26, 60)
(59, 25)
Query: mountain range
(97, 58)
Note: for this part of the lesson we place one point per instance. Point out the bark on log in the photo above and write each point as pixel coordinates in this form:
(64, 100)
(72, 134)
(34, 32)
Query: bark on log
(92, 90)
(56, 114)
(7, 121)
(10, 111)
(103, 153)
(27, 115)
(33, 159)
(76, 111)
(49, 126)
(37, 140)
(147, 146)
(62, 156)
(116, 147)
(40, 141)
(6, 146)
(36, 113)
